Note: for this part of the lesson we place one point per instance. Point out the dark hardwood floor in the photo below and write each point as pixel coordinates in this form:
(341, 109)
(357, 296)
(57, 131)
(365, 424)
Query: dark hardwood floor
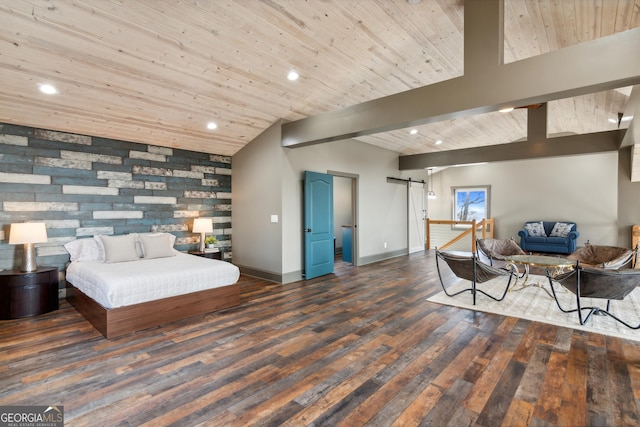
(358, 347)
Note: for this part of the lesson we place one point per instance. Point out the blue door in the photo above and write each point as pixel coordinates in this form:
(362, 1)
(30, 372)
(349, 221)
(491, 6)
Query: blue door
(318, 224)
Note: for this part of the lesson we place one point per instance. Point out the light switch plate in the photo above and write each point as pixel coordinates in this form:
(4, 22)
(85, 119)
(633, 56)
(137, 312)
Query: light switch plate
(274, 218)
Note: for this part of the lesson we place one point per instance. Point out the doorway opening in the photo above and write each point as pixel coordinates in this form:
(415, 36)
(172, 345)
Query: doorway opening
(345, 188)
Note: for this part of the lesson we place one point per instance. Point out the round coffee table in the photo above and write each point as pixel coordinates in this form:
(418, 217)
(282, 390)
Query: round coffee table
(555, 262)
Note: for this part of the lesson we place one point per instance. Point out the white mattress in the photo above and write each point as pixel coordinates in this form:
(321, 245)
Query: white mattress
(126, 283)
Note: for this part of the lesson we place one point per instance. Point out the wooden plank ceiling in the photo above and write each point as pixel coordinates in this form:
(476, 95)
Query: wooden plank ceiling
(157, 72)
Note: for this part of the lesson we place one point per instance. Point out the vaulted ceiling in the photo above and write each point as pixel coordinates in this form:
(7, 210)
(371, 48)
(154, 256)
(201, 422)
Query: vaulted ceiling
(157, 72)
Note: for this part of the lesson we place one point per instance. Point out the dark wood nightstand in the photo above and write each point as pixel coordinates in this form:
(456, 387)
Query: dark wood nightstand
(28, 294)
(210, 255)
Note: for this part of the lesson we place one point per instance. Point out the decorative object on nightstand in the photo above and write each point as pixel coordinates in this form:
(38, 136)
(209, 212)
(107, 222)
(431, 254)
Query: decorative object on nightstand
(28, 233)
(202, 226)
(29, 294)
(210, 242)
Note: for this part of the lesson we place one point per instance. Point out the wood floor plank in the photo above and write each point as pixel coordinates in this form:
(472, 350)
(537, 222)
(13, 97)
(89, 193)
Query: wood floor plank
(547, 409)
(360, 347)
(452, 371)
(391, 393)
(323, 397)
(574, 390)
(599, 401)
(315, 381)
(203, 398)
(625, 412)
(496, 407)
(528, 344)
(487, 381)
(420, 407)
(448, 404)
(532, 380)
(518, 415)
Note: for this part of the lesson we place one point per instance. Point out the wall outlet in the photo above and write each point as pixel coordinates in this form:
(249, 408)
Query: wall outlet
(385, 245)
(274, 218)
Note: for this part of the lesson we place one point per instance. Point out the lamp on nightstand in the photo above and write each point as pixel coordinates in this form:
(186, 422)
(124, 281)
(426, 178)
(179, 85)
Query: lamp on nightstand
(202, 226)
(28, 233)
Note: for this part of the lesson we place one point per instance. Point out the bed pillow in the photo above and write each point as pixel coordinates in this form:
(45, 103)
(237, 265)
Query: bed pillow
(535, 229)
(85, 250)
(157, 245)
(119, 248)
(561, 229)
(172, 240)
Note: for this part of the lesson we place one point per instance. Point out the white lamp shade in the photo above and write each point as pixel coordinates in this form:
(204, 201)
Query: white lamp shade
(202, 225)
(27, 232)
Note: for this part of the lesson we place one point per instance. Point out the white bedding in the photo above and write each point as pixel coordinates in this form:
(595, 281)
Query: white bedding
(126, 283)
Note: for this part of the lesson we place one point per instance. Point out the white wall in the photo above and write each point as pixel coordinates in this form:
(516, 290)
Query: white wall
(341, 206)
(628, 198)
(256, 195)
(582, 189)
(382, 206)
(268, 179)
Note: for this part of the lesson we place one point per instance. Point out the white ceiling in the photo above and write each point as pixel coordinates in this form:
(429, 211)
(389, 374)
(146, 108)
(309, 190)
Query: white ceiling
(156, 71)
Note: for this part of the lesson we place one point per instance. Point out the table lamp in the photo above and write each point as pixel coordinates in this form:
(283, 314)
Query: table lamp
(202, 226)
(28, 233)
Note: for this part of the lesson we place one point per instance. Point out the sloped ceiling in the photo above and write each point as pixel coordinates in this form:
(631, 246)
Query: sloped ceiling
(158, 71)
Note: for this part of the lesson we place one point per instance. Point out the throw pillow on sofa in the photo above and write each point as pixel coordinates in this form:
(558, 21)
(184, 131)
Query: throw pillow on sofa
(561, 229)
(535, 229)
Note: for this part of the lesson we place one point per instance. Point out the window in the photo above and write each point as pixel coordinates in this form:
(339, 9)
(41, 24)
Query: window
(470, 203)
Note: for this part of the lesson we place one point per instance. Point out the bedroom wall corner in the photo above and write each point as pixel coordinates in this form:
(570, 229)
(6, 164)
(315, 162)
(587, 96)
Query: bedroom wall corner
(257, 200)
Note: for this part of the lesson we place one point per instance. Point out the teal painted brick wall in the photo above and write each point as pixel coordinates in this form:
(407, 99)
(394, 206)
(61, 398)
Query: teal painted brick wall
(80, 186)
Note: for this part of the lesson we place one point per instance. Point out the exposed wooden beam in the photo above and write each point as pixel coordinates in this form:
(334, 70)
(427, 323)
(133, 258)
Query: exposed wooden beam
(576, 70)
(537, 124)
(483, 35)
(551, 147)
(632, 137)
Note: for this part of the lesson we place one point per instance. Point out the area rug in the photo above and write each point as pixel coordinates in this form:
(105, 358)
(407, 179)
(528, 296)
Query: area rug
(536, 303)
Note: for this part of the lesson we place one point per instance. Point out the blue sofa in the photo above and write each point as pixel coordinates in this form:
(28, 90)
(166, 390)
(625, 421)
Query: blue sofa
(546, 243)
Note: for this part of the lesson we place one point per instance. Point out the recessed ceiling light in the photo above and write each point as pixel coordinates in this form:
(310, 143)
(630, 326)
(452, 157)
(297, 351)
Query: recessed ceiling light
(438, 142)
(212, 126)
(506, 110)
(293, 75)
(413, 131)
(48, 89)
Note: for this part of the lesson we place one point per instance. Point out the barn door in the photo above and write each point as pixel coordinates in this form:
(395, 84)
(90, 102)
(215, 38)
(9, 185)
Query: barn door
(416, 220)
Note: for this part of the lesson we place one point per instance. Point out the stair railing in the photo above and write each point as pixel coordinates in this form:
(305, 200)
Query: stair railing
(483, 228)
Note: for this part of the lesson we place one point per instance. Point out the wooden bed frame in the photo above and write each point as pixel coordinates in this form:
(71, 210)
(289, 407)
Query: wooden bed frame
(119, 321)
